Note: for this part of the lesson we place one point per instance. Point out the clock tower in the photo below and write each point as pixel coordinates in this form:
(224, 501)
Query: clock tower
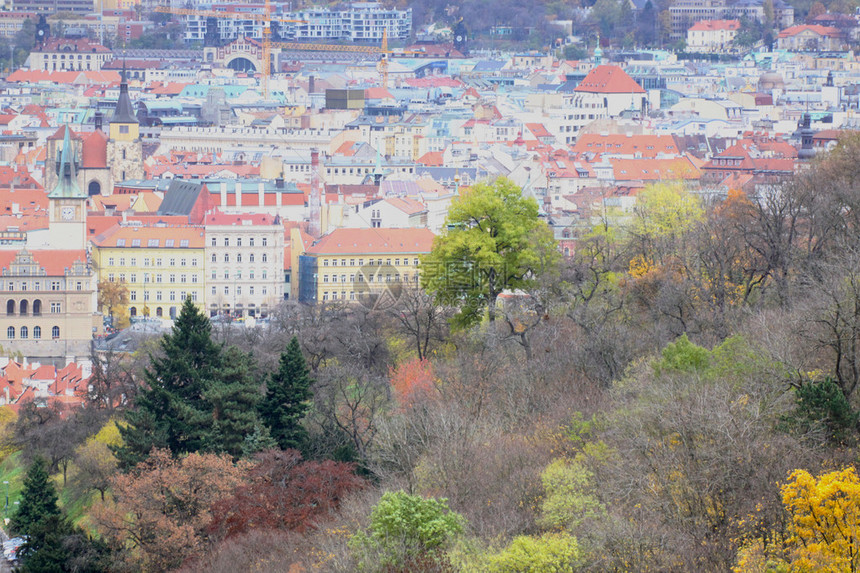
(124, 148)
(67, 204)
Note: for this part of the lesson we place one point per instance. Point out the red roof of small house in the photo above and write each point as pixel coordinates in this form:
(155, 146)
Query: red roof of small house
(609, 80)
(714, 25)
(820, 30)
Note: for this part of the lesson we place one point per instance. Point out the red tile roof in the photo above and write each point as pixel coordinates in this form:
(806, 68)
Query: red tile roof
(374, 241)
(820, 30)
(54, 262)
(94, 150)
(225, 219)
(622, 144)
(714, 25)
(139, 237)
(609, 80)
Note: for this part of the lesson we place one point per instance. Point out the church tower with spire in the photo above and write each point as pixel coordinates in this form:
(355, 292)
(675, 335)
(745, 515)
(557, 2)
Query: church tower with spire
(125, 150)
(67, 203)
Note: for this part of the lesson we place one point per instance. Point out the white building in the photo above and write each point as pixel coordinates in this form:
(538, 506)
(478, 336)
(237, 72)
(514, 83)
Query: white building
(712, 35)
(244, 264)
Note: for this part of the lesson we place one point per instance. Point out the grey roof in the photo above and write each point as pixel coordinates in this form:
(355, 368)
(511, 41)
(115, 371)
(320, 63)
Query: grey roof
(123, 113)
(180, 197)
(488, 66)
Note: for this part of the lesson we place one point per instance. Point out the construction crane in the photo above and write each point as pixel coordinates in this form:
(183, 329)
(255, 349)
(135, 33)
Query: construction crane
(265, 18)
(382, 49)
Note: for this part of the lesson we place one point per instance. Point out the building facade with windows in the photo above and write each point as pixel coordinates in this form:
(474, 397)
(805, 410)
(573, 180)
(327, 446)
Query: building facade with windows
(50, 302)
(244, 264)
(69, 54)
(361, 264)
(161, 265)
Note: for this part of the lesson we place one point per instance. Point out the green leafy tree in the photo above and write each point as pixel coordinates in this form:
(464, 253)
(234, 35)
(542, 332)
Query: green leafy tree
(568, 499)
(495, 241)
(406, 533)
(683, 356)
(172, 411)
(287, 399)
(234, 396)
(38, 499)
(548, 553)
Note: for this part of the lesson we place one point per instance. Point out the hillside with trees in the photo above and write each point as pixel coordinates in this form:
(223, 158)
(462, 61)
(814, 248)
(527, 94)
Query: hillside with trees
(680, 394)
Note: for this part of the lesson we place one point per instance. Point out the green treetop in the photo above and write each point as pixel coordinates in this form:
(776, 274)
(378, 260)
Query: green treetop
(495, 241)
(287, 398)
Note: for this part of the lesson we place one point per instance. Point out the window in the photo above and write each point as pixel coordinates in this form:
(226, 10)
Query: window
(265, 241)
(110, 262)
(172, 278)
(194, 262)
(158, 296)
(152, 243)
(396, 262)
(226, 274)
(78, 286)
(265, 290)
(265, 274)
(169, 243)
(183, 243)
(37, 332)
(352, 262)
(251, 241)
(214, 258)
(55, 285)
(238, 241)
(122, 277)
(214, 291)
(10, 332)
(181, 262)
(133, 277)
(55, 332)
(325, 262)
(325, 278)
(264, 257)
(226, 257)
(132, 295)
(122, 261)
(110, 277)
(194, 296)
(123, 129)
(172, 295)
(251, 290)
(238, 257)
(415, 262)
(251, 257)
(214, 241)
(214, 275)
(146, 295)
(251, 275)
(226, 241)
(158, 278)
(182, 278)
(238, 290)
(325, 297)
(172, 262)
(55, 308)
(226, 290)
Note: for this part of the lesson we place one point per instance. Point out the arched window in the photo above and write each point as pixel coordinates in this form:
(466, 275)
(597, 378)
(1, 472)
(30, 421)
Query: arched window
(10, 307)
(37, 307)
(55, 332)
(226, 257)
(37, 332)
(214, 258)
(264, 257)
(24, 307)
(10, 332)
(94, 188)
(251, 257)
(132, 311)
(159, 312)
(24, 332)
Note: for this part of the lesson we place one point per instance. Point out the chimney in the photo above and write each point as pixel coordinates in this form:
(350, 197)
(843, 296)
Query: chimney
(311, 84)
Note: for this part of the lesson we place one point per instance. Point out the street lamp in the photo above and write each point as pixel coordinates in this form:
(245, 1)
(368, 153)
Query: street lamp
(6, 507)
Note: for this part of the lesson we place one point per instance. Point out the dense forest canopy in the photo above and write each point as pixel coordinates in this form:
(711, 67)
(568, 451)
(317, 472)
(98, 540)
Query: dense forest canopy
(680, 394)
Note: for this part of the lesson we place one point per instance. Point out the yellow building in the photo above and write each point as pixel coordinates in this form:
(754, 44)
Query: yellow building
(162, 265)
(50, 302)
(362, 265)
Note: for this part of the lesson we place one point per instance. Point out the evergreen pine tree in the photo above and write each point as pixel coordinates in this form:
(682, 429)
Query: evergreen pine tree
(38, 500)
(234, 396)
(172, 411)
(287, 396)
